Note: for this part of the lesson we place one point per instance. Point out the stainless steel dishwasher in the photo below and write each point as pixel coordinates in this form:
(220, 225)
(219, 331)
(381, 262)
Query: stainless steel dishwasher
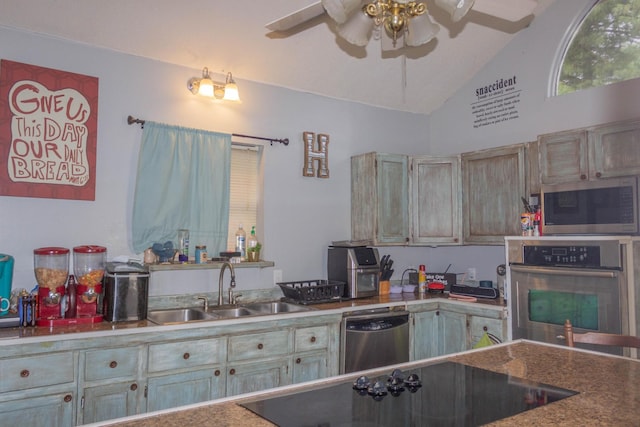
(374, 338)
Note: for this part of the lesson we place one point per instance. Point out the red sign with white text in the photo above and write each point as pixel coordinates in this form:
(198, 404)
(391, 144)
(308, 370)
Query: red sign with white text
(48, 132)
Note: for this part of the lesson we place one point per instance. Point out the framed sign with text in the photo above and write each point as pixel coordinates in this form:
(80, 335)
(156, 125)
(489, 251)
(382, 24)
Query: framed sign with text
(48, 132)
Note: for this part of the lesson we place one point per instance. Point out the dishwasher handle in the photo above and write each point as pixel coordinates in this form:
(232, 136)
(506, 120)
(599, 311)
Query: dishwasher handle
(376, 324)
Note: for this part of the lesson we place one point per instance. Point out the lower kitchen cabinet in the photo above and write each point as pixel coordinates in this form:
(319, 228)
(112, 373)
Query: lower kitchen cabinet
(453, 333)
(440, 331)
(109, 401)
(256, 376)
(169, 391)
(49, 410)
(308, 367)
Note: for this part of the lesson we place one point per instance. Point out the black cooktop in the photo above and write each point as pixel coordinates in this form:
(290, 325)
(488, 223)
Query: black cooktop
(441, 394)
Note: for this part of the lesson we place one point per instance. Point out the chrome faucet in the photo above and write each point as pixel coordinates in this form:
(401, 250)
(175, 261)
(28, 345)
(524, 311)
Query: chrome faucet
(221, 284)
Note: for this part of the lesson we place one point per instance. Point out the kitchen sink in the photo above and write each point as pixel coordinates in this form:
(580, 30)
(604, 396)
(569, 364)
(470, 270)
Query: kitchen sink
(186, 315)
(179, 315)
(276, 307)
(232, 312)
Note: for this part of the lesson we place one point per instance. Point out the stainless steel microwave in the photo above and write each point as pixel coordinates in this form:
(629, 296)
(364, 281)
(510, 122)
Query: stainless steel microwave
(606, 206)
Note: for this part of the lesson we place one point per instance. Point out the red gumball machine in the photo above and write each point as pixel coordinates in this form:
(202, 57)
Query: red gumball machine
(51, 265)
(88, 266)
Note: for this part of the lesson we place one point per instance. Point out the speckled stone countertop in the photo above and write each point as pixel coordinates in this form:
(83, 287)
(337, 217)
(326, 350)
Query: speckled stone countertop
(608, 386)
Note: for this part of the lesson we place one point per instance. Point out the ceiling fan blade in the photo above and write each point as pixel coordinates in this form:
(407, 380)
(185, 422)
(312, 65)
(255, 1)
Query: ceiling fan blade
(510, 10)
(296, 18)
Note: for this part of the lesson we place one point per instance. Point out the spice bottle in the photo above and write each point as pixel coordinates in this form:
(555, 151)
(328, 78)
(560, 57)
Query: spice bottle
(422, 279)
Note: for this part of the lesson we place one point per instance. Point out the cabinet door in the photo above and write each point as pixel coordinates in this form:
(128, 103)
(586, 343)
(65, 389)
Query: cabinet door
(479, 325)
(393, 199)
(170, 391)
(453, 333)
(380, 198)
(614, 150)
(436, 199)
(256, 376)
(309, 366)
(563, 157)
(425, 334)
(493, 184)
(53, 410)
(109, 401)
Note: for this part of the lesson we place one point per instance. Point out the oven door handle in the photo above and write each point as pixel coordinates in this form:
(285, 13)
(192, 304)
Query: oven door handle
(565, 272)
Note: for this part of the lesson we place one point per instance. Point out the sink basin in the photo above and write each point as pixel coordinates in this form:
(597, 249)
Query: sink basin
(232, 312)
(179, 315)
(276, 307)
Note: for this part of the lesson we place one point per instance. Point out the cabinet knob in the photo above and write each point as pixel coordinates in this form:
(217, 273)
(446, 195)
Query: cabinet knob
(583, 177)
(216, 372)
(437, 312)
(484, 328)
(598, 175)
(298, 360)
(186, 356)
(232, 371)
(313, 339)
(113, 364)
(24, 373)
(68, 398)
(134, 387)
(260, 346)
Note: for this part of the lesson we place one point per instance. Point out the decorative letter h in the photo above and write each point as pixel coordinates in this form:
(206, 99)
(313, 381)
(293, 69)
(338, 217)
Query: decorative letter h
(311, 155)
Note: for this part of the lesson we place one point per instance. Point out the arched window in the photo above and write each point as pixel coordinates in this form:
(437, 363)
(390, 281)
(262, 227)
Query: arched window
(604, 48)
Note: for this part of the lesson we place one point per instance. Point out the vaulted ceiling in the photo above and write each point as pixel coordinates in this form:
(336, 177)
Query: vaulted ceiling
(230, 35)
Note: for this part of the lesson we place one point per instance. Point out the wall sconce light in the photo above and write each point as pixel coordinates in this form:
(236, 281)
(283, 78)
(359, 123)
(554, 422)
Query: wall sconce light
(205, 86)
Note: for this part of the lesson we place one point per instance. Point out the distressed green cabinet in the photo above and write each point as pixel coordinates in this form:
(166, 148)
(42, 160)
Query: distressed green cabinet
(493, 183)
(55, 409)
(380, 198)
(436, 200)
(110, 384)
(170, 391)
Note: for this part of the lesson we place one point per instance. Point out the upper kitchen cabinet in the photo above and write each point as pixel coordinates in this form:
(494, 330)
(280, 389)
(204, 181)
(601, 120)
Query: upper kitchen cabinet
(380, 198)
(604, 151)
(563, 157)
(614, 150)
(436, 200)
(493, 183)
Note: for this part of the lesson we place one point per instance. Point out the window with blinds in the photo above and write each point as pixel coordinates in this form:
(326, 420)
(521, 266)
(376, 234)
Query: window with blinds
(243, 198)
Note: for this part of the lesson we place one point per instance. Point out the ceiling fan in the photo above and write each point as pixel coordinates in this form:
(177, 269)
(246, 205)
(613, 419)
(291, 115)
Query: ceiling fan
(399, 17)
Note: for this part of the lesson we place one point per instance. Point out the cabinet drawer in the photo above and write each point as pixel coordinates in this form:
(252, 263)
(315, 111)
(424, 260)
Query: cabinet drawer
(186, 354)
(111, 363)
(243, 347)
(313, 338)
(36, 371)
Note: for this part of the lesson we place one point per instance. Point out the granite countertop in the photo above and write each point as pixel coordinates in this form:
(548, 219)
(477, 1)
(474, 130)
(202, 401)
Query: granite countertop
(608, 386)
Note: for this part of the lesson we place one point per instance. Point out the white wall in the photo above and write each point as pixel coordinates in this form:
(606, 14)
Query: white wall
(302, 215)
(531, 57)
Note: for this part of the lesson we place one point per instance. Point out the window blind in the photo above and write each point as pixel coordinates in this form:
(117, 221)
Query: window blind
(243, 200)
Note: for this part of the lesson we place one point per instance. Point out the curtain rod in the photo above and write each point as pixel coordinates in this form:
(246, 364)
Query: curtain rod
(132, 120)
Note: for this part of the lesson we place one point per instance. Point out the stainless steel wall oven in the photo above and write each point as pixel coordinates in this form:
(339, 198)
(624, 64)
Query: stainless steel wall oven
(551, 280)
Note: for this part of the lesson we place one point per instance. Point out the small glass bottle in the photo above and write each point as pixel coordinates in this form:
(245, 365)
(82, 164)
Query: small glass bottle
(241, 242)
(201, 254)
(422, 279)
(183, 245)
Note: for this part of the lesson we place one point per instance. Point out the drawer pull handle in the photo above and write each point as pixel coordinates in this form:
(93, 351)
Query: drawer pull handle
(24, 373)
(113, 364)
(260, 346)
(68, 398)
(298, 360)
(216, 372)
(313, 339)
(186, 356)
(232, 371)
(134, 387)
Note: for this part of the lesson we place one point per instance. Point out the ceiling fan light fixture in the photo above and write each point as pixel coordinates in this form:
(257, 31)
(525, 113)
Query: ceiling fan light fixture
(420, 30)
(456, 8)
(340, 10)
(357, 29)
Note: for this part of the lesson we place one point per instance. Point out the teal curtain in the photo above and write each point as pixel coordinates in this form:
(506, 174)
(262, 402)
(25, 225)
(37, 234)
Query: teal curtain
(182, 182)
